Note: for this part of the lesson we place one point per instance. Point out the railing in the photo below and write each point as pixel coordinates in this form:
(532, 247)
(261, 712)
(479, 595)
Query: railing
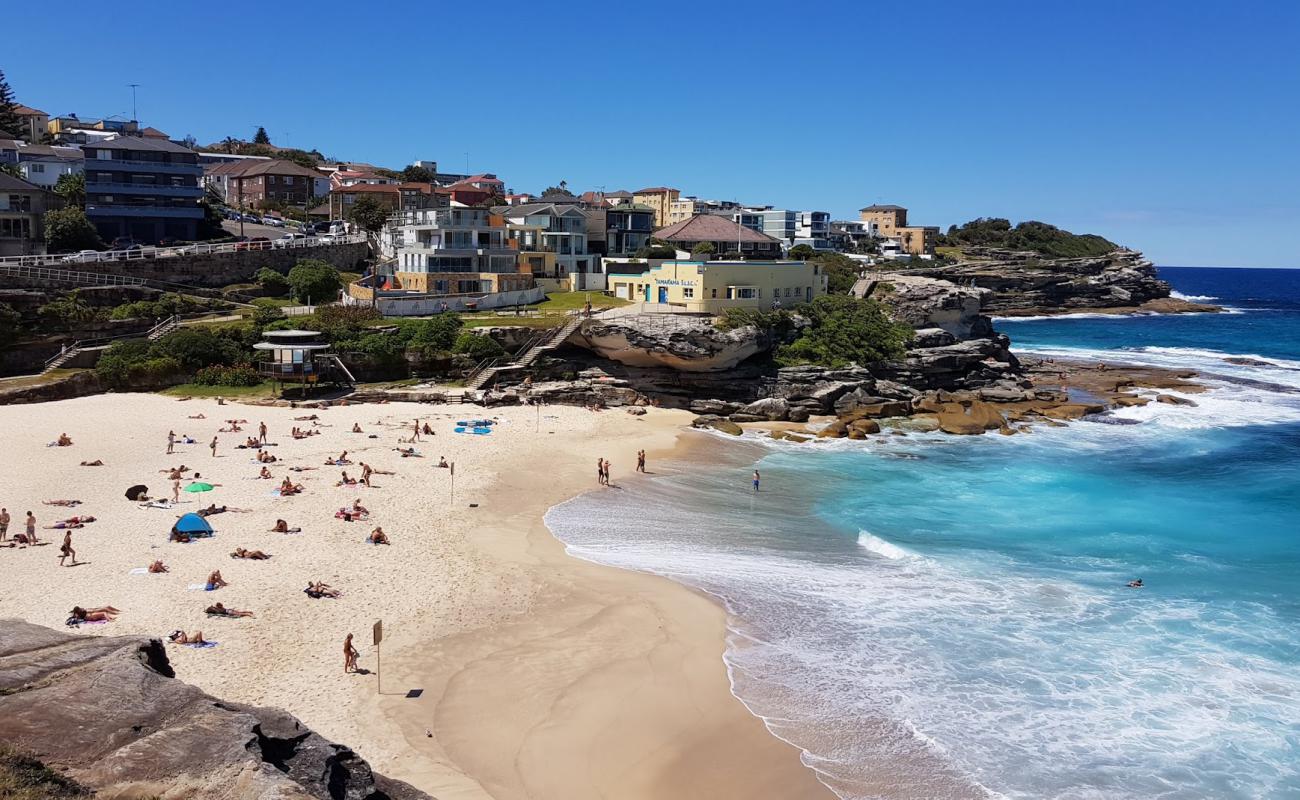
(145, 253)
(145, 188)
(109, 163)
(82, 344)
(67, 276)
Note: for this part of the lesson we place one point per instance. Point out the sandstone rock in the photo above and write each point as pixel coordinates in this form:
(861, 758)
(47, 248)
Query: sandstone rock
(1072, 410)
(771, 408)
(836, 430)
(682, 342)
(1127, 401)
(707, 406)
(864, 426)
(1174, 400)
(972, 418)
(798, 414)
(108, 712)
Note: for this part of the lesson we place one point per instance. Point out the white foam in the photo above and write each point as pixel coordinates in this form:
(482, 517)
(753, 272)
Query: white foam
(874, 544)
(1192, 298)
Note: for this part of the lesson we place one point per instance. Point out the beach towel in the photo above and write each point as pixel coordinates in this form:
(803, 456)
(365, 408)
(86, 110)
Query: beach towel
(200, 587)
(140, 571)
(202, 645)
(164, 504)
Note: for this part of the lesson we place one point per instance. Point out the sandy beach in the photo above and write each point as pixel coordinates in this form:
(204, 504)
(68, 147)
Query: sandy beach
(540, 675)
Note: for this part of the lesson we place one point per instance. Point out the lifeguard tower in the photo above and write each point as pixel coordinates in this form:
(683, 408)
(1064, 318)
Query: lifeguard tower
(302, 358)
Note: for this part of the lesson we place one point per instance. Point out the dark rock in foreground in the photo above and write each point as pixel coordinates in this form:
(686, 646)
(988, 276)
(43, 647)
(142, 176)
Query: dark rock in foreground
(109, 713)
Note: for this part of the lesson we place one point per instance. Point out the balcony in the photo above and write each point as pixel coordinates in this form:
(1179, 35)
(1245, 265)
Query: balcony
(116, 210)
(154, 189)
(169, 167)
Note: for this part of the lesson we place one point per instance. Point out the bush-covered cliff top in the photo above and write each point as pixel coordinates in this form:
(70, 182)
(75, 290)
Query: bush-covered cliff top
(1039, 237)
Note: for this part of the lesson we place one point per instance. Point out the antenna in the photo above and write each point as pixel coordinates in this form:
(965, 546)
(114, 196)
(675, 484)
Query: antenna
(135, 116)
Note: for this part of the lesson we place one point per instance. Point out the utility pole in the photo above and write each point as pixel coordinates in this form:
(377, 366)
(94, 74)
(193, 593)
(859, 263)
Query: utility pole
(135, 115)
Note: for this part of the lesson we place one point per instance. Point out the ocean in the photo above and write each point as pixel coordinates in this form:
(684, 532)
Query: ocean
(930, 616)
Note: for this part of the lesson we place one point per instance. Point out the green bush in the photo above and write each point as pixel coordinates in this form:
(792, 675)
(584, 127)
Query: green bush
(312, 279)
(477, 347)
(195, 348)
(844, 331)
(266, 311)
(272, 282)
(219, 375)
(436, 335)
(1038, 237)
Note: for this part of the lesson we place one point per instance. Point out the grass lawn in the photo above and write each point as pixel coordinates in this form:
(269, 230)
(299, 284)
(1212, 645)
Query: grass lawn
(28, 381)
(197, 390)
(25, 778)
(560, 302)
(949, 252)
(486, 321)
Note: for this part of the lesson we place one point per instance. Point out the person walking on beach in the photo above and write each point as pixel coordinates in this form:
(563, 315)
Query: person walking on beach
(600, 472)
(756, 479)
(213, 446)
(415, 435)
(66, 550)
(640, 461)
(171, 442)
(4, 524)
(349, 655)
(261, 432)
(31, 528)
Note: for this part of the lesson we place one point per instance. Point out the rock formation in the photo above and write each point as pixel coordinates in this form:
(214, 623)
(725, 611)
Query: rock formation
(677, 341)
(109, 712)
(1024, 283)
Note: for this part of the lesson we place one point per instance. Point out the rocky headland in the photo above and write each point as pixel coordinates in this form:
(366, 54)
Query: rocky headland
(108, 713)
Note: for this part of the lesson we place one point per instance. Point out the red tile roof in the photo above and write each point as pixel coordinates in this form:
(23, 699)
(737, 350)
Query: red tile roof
(28, 111)
(711, 228)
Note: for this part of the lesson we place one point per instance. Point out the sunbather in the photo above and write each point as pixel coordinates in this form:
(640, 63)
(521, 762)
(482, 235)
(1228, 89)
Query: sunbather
(218, 610)
(100, 614)
(317, 590)
(265, 474)
(215, 581)
(283, 527)
(255, 555)
(377, 536)
(95, 463)
(181, 637)
(157, 567)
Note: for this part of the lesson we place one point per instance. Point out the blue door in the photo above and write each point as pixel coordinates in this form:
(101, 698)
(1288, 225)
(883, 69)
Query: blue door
(663, 294)
(647, 294)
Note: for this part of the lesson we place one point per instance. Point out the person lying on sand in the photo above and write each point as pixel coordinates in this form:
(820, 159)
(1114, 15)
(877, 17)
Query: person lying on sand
(96, 463)
(100, 614)
(301, 469)
(181, 536)
(317, 590)
(346, 480)
(283, 527)
(68, 503)
(181, 637)
(407, 452)
(304, 419)
(177, 471)
(210, 510)
(218, 610)
(255, 555)
(215, 581)
(63, 525)
(198, 416)
(377, 536)
(157, 567)
(265, 474)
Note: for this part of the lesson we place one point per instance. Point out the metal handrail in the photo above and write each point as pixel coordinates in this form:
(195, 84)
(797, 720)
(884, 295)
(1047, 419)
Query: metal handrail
(145, 253)
(82, 344)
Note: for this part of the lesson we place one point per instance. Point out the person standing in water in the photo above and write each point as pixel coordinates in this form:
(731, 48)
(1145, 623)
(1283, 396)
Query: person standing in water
(756, 479)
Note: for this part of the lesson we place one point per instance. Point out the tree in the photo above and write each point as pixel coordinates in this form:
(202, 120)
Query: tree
(67, 311)
(840, 270)
(703, 249)
(210, 226)
(657, 251)
(67, 230)
(477, 347)
(369, 213)
(265, 311)
(802, 252)
(417, 174)
(272, 282)
(12, 170)
(562, 189)
(844, 331)
(10, 324)
(311, 279)
(10, 122)
(71, 187)
(260, 137)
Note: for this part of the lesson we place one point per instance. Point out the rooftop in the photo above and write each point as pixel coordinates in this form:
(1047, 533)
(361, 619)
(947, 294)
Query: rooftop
(278, 166)
(654, 190)
(119, 142)
(883, 208)
(711, 228)
(9, 183)
(28, 111)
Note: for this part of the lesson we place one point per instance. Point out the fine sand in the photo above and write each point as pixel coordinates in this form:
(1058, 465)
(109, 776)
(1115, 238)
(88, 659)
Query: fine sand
(540, 676)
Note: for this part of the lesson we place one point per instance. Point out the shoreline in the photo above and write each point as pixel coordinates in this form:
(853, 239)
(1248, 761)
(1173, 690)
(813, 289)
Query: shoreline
(543, 674)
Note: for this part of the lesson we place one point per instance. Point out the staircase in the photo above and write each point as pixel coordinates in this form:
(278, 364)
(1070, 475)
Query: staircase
(338, 365)
(542, 343)
(67, 354)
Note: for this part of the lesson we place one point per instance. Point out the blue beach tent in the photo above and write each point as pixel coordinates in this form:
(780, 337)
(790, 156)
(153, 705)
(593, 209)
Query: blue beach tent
(192, 524)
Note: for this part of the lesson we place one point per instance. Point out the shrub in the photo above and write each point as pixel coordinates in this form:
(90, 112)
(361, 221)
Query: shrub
(802, 252)
(436, 335)
(219, 375)
(272, 282)
(314, 279)
(195, 348)
(68, 230)
(477, 347)
(843, 331)
(266, 311)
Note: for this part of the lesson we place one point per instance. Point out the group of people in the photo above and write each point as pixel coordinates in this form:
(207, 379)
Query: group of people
(25, 538)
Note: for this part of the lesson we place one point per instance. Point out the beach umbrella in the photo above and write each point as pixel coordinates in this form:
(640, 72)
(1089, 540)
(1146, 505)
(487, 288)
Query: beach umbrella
(199, 486)
(137, 491)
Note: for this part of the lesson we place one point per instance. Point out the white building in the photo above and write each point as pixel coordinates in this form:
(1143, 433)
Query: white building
(43, 165)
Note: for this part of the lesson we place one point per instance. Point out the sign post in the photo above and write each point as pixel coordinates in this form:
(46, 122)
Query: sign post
(378, 637)
(453, 483)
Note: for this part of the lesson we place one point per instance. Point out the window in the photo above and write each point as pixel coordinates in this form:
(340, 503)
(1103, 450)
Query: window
(688, 293)
(104, 155)
(715, 294)
(36, 167)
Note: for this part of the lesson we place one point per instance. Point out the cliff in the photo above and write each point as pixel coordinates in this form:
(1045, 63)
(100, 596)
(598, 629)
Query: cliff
(676, 341)
(108, 712)
(1024, 283)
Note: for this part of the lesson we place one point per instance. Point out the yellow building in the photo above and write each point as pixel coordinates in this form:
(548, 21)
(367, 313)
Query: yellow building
(709, 287)
(660, 199)
(888, 219)
(918, 240)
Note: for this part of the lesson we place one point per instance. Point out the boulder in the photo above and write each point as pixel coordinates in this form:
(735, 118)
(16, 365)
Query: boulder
(884, 408)
(861, 428)
(972, 418)
(770, 408)
(835, 430)
(1174, 400)
(1072, 410)
(682, 342)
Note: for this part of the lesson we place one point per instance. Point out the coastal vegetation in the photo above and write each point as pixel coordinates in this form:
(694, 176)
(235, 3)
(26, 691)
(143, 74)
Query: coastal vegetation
(312, 278)
(831, 331)
(1039, 237)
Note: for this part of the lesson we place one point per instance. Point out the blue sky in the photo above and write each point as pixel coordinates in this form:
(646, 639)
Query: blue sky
(1172, 127)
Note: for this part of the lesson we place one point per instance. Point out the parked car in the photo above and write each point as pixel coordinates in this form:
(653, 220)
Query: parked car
(252, 218)
(289, 239)
(81, 257)
(255, 243)
(275, 222)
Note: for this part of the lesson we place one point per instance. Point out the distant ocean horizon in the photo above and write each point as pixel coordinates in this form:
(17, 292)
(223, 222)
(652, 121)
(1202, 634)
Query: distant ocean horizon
(929, 616)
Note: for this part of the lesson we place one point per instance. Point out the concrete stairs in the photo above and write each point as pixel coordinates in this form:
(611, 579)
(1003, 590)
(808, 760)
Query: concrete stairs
(531, 351)
(81, 345)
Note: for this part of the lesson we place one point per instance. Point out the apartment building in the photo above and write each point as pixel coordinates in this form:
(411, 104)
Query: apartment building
(660, 199)
(398, 197)
(146, 189)
(684, 208)
(35, 124)
(891, 223)
(441, 251)
(22, 211)
(257, 184)
(619, 230)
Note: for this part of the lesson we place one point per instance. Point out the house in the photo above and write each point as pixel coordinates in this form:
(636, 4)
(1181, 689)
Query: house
(257, 184)
(398, 197)
(853, 235)
(711, 287)
(552, 242)
(446, 250)
(9, 150)
(660, 199)
(891, 221)
(519, 199)
(144, 189)
(485, 181)
(43, 164)
(812, 228)
(619, 230)
(726, 236)
(35, 124)
(69, 127)
(22, 212)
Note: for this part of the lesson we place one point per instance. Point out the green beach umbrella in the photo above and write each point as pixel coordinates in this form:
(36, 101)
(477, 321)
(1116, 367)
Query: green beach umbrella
(199, 487)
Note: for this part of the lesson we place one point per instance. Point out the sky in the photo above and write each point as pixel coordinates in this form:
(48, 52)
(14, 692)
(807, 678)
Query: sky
(1170, 127)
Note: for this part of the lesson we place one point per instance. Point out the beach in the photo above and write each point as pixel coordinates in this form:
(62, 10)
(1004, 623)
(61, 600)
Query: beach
(540, 675)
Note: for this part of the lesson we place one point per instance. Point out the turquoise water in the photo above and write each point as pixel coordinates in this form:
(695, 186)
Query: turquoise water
(948, 616)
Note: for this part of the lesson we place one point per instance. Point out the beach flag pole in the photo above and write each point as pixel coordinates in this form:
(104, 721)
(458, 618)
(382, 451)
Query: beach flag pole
(379, 637)
(453, 483)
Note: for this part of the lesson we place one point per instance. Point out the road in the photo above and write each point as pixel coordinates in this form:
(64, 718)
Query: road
(252, 230)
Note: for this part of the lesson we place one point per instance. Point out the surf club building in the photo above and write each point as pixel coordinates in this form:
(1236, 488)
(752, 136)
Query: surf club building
(710, 287)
